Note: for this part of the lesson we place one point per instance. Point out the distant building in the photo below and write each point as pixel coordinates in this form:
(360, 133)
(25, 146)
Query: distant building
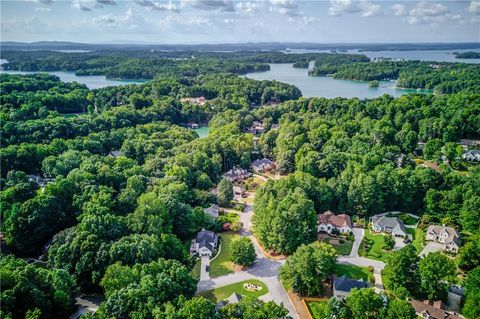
(466, 143)
(388, 225)
(237, 174)
(41, 182)
(212, 211)
(262, 165)
(435, 310)
(328, 221)
(445, 235)
(343, 285)
(116, 153)
(472, 156)
(256, 128)
(204, 244)
(233, 299)
(194, 100)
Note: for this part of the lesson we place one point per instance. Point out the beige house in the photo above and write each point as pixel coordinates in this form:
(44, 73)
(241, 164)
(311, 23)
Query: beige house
(445, 235)
(328, 221)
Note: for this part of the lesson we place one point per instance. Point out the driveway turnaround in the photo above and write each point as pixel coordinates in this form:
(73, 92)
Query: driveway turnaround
(365, 262)
(431, 247)
(263, 269)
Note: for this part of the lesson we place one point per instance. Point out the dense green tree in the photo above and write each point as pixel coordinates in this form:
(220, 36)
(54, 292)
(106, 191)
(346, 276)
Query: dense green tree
(434, 269)
(364, 303)
(308, 268)
(225, 192)
(243, 252)
(471, 306)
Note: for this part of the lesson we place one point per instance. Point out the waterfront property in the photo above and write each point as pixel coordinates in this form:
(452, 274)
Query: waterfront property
(445, 235)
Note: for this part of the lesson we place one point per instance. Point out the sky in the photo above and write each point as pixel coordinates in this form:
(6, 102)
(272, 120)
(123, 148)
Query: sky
(227, 21)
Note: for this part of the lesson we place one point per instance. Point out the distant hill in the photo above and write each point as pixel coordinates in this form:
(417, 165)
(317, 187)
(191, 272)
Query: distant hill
(267, 46)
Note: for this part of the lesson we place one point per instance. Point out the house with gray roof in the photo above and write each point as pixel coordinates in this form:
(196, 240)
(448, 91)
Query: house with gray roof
(445, 235)
(37, 180)
(343, 285)
(212, 211)
(204, 244)
(234, 298)
(388, 225)
(262, 165)
(472, 156)
(237, 174)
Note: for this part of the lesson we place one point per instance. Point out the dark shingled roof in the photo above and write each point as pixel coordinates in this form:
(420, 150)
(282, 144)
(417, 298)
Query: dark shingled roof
(346, 284)
(206, 238)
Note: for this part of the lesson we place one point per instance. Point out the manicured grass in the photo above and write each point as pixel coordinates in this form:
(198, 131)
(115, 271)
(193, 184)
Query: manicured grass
(376, 251)
(219, 294)
(318, 309)
(222, 264)
(418, 236)
(342, 249)
(354, 272)
(196, 269)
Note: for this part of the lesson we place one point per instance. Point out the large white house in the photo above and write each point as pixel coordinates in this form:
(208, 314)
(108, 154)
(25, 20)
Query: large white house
(445, 235)
(328, 221)
(472, 156)
(204, 244)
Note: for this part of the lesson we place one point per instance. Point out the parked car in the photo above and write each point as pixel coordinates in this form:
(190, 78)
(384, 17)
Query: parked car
(406, 240)
(207, 268)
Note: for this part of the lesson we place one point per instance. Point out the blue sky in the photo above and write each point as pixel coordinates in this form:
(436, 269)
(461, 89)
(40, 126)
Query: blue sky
(207, 21)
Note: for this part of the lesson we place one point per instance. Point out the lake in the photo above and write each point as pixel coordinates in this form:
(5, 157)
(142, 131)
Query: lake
(322, 86)
(202, 131)
(421, 55)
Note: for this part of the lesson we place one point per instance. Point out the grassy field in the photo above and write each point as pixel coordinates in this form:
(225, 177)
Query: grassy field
(224, 292)
(354, 272)
(196, 269)
(417, 238)
(376, 251)
(342, 249)
(317, 309)
(222, 265)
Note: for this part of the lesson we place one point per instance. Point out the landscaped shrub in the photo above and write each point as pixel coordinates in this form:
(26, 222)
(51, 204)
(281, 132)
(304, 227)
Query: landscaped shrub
(370, 268)
(341, 241)
(389, 243)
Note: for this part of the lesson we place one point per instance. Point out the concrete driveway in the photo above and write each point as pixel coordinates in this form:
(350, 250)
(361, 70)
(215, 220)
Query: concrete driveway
(358, 233)
(204, 274)
(431, 247)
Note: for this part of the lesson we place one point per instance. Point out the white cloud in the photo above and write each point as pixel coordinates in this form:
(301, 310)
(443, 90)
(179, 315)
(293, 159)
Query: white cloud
(248, 7)
(399, 9)
(365, 8)
(161, 6)
(285, 7)
(89, 5)
(43, 9)
(41, 1)
(474, 7)
(210, 5)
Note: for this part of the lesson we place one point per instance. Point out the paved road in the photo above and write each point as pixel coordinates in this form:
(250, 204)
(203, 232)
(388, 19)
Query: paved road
(263, 269)
(358, 233)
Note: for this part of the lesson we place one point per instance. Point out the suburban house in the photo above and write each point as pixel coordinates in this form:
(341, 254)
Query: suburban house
(434, 310)
(237, 174)
(234, 298)
(328, 221)
(204, 244)
(343, 285)
(212, 211)
(466, 143)
(262, 165)
(445, 235)
(194, 100)
(115, 154)
(256, 128)
(388, 225)
(472, 156)
(455, 296)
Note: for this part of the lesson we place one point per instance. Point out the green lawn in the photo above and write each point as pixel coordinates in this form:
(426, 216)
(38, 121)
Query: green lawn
(354, 272)
(417, 238)
(318, 309)
(224, 292)
(342, 249)
(222, 264)
(196, 269)
(376, 251)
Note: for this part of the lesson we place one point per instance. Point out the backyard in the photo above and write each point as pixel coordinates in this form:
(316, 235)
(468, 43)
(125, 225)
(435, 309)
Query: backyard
(196, 269)
(318, 308)
(372, 247)
(354, 272)
(222, 264)
(224, 292)
(342, 245)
